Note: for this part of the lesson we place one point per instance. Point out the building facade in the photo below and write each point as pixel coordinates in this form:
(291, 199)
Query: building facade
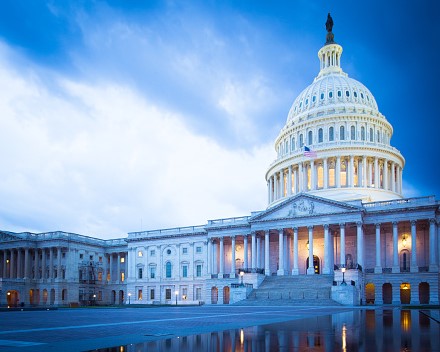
(335, 209)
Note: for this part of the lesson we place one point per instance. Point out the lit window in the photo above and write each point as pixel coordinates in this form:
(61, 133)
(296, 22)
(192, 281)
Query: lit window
(309, 178)
(320, 176)
(99, 275)
(331, 176)
(139, 294)
(140, 254)
(343, 174)
(122, 259)
(122, 276)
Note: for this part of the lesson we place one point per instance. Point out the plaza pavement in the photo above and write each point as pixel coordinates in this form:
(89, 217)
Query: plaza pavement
(81, 329)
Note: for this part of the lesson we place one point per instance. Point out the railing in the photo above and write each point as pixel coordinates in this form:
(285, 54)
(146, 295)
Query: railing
(170, 231)
(227, 221)
(349, 266)
(416, 200)
(250, 271)
(242, 285)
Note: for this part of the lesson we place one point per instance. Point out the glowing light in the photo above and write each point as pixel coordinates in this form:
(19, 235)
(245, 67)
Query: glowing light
(344, 338)
(404, 241)
(241, 336)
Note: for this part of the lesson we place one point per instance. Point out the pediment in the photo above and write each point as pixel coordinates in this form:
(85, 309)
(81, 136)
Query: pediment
(304, 205)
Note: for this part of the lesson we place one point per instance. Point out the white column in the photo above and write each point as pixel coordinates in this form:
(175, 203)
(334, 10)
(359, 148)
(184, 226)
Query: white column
(19, 266)
(232, 275)
(360, 244)
(433, 267)
(326, 269)
(378, 267)
(395, 268)
(393, 176)
(253, 250)
(325, 169)
(214, 258)
(351, 172)
(300, 178)
(43, 263)
(364, 172)
(118, 267)
(111, 266)
(270, 189)
(311, 268)
(280, 270)
(266, 253)
(26, 263)
(413, 268)
(258, 252)
(376, 172)
(50, 263)
(295, 181)
(385, 174)
(282, 184)
(209, 257)
(275, 189)
(245, 250)
(289, 181)
(338, 172)
(222, 258)
(342, 245)
(295, 270)
(59, 271)
(312, 175)
(5, 264)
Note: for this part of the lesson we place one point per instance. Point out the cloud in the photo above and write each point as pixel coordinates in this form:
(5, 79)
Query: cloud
(100, 158)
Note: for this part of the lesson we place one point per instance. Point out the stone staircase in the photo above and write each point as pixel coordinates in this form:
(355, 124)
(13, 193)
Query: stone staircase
(298, 290)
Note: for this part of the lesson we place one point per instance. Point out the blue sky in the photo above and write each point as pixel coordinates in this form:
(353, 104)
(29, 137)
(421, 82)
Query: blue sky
(118, 116)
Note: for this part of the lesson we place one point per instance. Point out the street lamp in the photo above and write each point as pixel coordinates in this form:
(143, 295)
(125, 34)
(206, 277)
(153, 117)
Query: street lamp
(241, 276)
(129, 297)
(176, 293)
(343, 283)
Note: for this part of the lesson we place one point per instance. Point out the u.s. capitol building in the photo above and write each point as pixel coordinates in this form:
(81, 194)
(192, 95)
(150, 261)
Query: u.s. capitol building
(337, 227)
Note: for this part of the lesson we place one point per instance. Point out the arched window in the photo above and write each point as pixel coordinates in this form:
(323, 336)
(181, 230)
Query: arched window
(378, 137)
(353, 133)
(168, 269)
(320, 135)
(342, 133)
(363, 133)
(301, 140)
(331, 134)
(292, 145)
(371, 135)
(310, 139)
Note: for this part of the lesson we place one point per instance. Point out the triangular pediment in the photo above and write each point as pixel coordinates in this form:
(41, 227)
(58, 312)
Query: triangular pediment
(305, 205)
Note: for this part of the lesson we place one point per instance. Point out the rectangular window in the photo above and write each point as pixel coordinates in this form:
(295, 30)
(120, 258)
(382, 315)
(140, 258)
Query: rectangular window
(100, 276)
(198, 249)
(99, 295)
(184, 250)
(140, 273)
(122, 259)
(108, 275)
(122, 276)
(100, 259)
(152, 253)
(139, 294)
(184, 293)
(198, 293)
(152, 272)
(199, 270)
(81, 256)
(91, 257)
(168, 293)
(185, 271)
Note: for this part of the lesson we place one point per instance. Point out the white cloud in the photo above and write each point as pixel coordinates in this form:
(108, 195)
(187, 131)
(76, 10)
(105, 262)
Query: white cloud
(97, 158)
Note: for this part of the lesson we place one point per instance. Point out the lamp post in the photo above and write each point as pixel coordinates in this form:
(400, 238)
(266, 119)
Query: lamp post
(343, 283)
(129, 297)
(176, 293)
(241, 276)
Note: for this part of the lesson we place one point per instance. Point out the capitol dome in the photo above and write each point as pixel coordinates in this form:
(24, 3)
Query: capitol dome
(335, 143)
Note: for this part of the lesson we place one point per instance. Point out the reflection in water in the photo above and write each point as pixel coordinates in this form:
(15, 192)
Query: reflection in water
(359, 330)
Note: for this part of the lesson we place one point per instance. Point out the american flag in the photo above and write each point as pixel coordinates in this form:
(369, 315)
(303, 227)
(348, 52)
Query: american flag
(309, 153)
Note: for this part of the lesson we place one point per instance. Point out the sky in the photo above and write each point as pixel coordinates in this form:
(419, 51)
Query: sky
(120, 116)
